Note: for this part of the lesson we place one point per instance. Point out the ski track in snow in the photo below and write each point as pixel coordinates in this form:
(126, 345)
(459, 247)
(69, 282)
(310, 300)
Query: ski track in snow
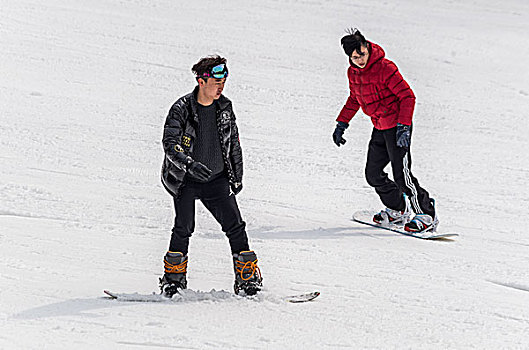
(86, 89)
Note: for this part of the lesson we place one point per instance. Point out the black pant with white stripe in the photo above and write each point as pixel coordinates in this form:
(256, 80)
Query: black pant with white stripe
(382, 151)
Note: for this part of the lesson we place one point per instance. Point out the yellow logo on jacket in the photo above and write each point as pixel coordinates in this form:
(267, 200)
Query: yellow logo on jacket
(186, 141)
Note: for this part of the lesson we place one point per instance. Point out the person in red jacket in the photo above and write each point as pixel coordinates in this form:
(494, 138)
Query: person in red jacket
(379, 89)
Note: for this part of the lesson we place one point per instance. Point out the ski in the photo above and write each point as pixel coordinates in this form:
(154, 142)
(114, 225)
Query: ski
(301, 298)
(189, 295)
(136, 297)
(365, 217)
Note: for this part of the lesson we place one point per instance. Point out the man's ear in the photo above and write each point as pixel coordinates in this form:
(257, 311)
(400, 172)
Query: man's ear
(201, 81)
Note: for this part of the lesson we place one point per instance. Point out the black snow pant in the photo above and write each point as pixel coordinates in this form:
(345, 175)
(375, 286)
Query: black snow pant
(383, 150)
(220, 201)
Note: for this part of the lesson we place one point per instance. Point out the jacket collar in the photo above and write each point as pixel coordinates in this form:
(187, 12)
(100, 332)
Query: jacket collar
(221, 103)
(194, 103)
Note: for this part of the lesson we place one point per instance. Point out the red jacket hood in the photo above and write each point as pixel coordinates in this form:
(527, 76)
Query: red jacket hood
(376, 53)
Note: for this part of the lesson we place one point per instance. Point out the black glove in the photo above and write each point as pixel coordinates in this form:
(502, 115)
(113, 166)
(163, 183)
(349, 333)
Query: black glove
(236, 187)
(338, 133)
(403, 135)
(198, 170)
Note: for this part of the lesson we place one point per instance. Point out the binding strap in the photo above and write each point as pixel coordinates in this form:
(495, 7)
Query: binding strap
(243, 267)
(175, 268)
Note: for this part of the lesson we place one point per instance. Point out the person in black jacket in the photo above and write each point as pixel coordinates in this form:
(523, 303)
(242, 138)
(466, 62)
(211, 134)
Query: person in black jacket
(203, 160)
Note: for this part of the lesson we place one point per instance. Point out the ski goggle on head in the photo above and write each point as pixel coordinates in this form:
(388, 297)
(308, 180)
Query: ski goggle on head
(218, 72)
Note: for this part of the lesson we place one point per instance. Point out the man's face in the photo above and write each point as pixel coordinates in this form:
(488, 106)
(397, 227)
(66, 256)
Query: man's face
(360, 59)
(212, 87)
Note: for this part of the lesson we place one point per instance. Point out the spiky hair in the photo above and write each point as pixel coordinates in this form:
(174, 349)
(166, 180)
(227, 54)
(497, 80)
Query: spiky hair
(206, 63)
(353, 41)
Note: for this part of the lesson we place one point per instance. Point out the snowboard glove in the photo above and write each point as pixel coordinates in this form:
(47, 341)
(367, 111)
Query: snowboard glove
(403, 135)
(198, 170)
(337, 135)
(236, 187)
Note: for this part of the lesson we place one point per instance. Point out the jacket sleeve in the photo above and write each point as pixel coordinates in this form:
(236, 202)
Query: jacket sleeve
(236, 150)
(400, 88)
(172, 135)
(351, 105)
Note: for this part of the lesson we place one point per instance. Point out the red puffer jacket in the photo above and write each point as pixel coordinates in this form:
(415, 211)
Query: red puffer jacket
(381, 92)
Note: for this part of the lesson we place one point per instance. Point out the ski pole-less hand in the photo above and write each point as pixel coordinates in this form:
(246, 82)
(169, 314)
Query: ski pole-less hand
(403, 135)
(337, 135)
(197, 169)
(236, 187)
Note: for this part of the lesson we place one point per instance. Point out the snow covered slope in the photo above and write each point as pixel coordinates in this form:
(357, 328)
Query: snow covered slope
(85, 88)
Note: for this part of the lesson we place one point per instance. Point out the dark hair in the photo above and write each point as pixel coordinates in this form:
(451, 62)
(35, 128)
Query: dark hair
(205, 64)
(353, 41)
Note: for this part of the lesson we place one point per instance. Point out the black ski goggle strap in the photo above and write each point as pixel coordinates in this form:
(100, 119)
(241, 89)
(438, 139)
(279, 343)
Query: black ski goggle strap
(218, 72)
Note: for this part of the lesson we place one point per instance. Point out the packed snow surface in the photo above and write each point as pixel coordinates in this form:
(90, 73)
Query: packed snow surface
(85, 88)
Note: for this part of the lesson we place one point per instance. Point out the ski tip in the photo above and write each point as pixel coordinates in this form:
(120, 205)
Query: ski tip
(110, 294)
(444, 237)
(303, 298)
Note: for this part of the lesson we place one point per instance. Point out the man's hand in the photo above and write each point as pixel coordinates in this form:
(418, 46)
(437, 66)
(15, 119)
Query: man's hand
(337, 135)
(236, 187)
(198, 170)
(403, 135)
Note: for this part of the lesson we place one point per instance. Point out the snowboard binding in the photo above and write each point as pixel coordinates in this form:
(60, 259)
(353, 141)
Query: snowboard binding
(174, 278)
(248, 277)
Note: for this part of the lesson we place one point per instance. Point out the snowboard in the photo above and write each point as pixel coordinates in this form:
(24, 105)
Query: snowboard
(366, 217)
(189, 295)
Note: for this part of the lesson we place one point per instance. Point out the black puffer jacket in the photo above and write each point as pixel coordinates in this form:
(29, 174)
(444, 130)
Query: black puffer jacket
(180, 133)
